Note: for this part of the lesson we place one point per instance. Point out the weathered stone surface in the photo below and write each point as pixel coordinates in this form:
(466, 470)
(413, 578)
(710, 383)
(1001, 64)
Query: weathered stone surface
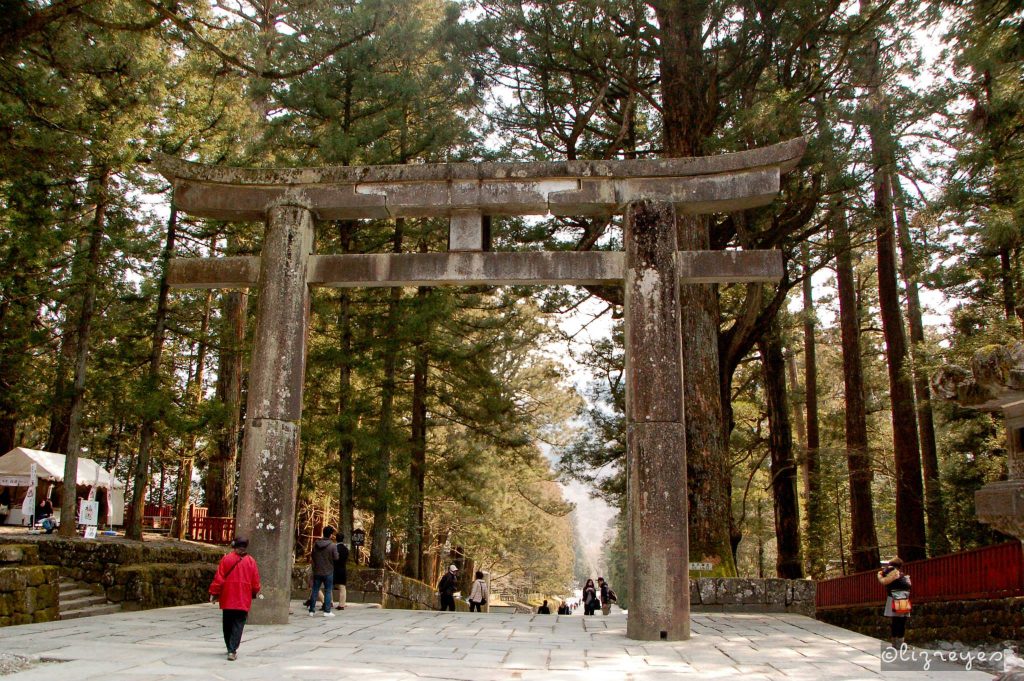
(724, 182)
(472, 269)
(657, 507)
(1001, 505)
(279, 352)
(241, 271)
(13, 554)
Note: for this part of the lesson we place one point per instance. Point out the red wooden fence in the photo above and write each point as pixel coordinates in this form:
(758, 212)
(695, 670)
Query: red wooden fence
(211, 529)
(989, 572)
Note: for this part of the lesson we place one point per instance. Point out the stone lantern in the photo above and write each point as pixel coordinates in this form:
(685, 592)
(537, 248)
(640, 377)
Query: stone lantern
(995, 382)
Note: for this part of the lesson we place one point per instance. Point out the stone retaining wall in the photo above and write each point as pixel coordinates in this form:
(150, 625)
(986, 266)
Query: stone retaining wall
(386, 588)
(966, 621)
(138, 576)
(29, 592)
(719, 594)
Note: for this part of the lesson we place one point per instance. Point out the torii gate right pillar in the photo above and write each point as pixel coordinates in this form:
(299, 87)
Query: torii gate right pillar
(656, 499)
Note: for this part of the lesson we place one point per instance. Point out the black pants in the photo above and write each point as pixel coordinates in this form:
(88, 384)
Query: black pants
(234, 622)
(899, 626)
(448, 602)
(474, 607)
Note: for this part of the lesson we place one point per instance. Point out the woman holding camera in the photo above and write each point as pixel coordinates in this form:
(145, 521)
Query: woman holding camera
(897, 601)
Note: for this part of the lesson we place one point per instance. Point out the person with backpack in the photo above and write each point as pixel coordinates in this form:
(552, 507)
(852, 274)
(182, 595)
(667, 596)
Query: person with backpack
(235, 584)
(478, 594)
(897, 600)
(447, 587)
(607, 596)
(325, 555)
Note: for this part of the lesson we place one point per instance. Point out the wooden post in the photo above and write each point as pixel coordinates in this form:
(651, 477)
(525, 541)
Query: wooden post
(656, 499)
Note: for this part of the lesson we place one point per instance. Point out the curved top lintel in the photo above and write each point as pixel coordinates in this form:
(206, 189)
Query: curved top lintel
(784, 155)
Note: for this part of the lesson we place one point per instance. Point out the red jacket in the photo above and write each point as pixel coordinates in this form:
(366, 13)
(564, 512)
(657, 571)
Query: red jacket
(237, 582)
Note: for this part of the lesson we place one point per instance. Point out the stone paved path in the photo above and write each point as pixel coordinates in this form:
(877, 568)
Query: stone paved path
(370, 644)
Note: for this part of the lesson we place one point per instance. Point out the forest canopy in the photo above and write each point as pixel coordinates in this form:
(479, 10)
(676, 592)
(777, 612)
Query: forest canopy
(442, 420)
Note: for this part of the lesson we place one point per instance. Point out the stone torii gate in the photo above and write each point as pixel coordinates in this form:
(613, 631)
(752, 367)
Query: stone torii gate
(649, 192)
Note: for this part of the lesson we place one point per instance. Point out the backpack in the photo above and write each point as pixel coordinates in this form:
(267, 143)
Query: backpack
(612, 598)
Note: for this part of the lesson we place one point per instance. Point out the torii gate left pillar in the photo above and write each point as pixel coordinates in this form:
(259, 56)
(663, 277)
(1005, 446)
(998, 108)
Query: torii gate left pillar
(268, 473)
(649, 192)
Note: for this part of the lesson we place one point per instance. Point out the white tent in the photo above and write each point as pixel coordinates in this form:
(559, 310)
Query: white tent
(16, 465)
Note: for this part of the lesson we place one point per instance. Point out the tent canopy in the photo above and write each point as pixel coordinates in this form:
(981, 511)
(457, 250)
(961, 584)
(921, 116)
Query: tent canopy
(50, 466)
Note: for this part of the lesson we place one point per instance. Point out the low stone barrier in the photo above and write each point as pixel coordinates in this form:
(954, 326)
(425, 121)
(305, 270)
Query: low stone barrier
(387, 589)
(139, 576)
(29, 592)
(721, 594)
(976, 621)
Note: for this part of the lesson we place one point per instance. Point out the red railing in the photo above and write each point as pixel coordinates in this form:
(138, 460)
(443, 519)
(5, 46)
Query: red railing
(211, 529)
(989, 572)
(153, 515)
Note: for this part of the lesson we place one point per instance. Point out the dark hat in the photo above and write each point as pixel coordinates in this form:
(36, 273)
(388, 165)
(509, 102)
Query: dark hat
(240, 543)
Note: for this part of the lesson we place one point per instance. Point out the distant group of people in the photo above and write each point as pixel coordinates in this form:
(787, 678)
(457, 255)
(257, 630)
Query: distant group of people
(328, 563)
(598, 597)
(449, 585)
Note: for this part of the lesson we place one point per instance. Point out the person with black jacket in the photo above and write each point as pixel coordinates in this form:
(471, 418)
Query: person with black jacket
(590, 602)
(323, 558)
(447, 587)
(897, 601)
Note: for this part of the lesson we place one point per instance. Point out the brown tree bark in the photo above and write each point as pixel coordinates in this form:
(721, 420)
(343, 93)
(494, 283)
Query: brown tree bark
(418, 448)
(783, 468)
(183, 487)
(382, 501)
(938, 542)
(90, 275)
(219, 483)
(346, 423)
(815, 530)
(863, 538)
(688, 106)
(133, 527)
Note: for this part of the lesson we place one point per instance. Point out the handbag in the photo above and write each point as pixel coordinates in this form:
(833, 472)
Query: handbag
(901, 602)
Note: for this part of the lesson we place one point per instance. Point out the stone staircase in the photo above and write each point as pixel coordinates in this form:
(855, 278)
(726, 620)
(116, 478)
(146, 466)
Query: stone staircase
(82, 600)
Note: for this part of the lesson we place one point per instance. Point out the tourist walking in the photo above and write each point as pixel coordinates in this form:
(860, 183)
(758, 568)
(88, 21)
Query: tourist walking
(478, 594)
(544, 609)
(607, 596)
(897, 601)
(590, 603)
(447, 587)
(235, 584)
(341, 572)
(324, 556)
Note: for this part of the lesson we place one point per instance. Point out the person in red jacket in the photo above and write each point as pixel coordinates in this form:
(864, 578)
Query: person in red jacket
(236, 583)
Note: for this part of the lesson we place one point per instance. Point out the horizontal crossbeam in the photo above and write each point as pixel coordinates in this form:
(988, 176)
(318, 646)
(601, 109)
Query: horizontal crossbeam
(727, 182)
(473, 269)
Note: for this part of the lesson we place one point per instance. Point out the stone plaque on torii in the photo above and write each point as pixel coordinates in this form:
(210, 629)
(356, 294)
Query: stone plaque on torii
(649, 192)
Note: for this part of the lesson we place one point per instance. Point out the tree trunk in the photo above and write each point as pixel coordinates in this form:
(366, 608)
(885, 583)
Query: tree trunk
(418, 447)
(938, 542)
(60, 410)
(133, 528)
(780, 443)
(219, 486)
(815, 520)
(1006, 276)
(183, 489)
(863, 538)
(687, 118)
(381, 502)
(68, 528)
(346, 419)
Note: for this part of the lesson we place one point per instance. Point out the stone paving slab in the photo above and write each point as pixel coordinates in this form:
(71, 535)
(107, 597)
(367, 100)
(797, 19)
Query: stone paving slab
(370, 644)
